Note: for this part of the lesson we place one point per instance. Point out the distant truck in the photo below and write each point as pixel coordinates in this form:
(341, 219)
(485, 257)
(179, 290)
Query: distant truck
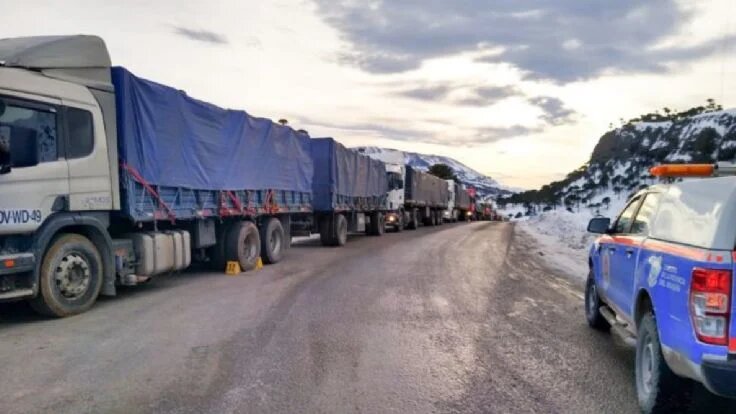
(458, 205)
(414, 197)
(661, 278)
(395, 216)
(483, 211)
(108, 179)
(426, 197)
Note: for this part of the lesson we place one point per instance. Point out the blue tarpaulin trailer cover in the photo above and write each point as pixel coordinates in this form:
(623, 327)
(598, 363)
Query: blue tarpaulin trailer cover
(344, 179)
(173, 140)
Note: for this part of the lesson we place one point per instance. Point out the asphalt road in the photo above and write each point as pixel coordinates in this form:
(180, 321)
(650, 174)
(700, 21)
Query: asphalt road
(458, 318)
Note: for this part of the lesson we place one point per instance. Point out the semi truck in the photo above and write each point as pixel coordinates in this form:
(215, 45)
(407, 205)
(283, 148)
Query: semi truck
(108, 179)
(414, 197)
(458, 205)
(425, 198)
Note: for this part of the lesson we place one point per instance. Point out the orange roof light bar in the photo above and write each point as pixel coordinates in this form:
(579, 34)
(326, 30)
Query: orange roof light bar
(683, 170)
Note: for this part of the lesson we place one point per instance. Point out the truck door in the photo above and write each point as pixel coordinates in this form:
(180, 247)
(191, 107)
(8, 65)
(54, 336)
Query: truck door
(30, 193)
(622, 250)
(86, 152)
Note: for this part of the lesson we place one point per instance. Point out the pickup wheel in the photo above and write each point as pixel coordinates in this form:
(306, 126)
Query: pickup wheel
(659, 390)
(593, 306)
(244, 245)
(70, 277)
(273, 241)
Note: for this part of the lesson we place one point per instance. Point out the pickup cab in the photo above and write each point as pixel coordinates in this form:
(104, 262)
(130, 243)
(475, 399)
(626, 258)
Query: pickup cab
(661, 277)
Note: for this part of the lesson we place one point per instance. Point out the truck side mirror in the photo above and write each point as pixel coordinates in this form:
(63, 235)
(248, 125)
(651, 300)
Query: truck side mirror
(599, 225)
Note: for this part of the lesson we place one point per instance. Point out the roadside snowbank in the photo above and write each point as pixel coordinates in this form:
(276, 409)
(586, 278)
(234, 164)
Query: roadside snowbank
(562, 238)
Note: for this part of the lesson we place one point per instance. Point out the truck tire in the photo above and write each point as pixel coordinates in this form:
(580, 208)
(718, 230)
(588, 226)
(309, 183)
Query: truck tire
(243, 245)
(413, 221)
(378, 224)
(70, 277)
(658, 389)
(327, 231)
(341, 230)
(334, 230)
(216, 253)
(429, 220)
(593, 306)
(273, 241)
(400, 222)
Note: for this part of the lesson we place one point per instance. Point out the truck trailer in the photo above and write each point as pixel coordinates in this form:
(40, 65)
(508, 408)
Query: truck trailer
(108, 179)
(349, 192)
(393, 209)
(425, 198)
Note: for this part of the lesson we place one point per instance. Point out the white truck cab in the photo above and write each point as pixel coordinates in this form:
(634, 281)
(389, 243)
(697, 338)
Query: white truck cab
(395, 216)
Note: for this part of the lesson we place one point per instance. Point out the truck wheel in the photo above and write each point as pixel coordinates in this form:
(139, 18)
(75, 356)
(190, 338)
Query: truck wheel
(413, 221)
(378, 224)
(272, 241)
(593, 306)
(216, 253)
(400, 222)
(70, 277)
(244, 245)
(326, 231)
(341, 230)
(659, 390)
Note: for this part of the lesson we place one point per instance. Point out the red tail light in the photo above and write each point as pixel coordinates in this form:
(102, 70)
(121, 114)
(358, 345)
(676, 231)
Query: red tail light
(710, 304)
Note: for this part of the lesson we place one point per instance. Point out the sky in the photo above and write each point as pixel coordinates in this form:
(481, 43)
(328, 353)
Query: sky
(520, 90)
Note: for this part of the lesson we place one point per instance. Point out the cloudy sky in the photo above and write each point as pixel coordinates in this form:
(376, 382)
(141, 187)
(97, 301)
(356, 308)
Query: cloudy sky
(517, 89)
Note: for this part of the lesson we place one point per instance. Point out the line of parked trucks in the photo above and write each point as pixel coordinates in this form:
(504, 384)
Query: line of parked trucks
(107, 179)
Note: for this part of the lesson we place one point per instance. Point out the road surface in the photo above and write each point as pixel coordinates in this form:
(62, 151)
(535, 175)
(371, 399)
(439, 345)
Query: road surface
(465, 318)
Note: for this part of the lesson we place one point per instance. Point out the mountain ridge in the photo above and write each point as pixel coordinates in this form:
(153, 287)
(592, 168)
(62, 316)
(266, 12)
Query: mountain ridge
(486, 186)
(620, 161)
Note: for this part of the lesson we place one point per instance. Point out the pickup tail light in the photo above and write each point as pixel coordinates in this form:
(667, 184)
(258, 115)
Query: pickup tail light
(710, 304)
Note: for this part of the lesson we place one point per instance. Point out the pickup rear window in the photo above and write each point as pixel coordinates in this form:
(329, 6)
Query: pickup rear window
(689, 217)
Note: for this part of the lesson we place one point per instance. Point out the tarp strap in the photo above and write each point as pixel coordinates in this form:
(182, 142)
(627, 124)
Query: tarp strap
(142, 181)
(236, 202)
(271, 205)
(251, 205)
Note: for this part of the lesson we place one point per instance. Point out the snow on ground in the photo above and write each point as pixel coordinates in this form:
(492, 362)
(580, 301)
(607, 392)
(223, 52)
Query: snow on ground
(562, 239)
(562, 236)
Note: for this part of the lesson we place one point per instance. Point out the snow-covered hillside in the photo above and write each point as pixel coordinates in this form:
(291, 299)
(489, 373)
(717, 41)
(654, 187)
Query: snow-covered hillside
(618, 167)
(486, 186)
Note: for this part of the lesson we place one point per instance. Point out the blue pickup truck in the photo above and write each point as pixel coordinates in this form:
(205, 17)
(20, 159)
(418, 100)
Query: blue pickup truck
(661, 277)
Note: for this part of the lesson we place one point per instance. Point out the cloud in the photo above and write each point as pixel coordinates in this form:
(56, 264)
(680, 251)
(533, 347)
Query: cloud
(554, 110)
(201, 35)
(493, 134)
(562, 40)
(386, 129)
(427, 92)
(489, 95)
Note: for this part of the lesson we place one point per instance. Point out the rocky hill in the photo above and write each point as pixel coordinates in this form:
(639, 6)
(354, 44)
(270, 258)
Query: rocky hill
(486, 186)
(621, 160)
